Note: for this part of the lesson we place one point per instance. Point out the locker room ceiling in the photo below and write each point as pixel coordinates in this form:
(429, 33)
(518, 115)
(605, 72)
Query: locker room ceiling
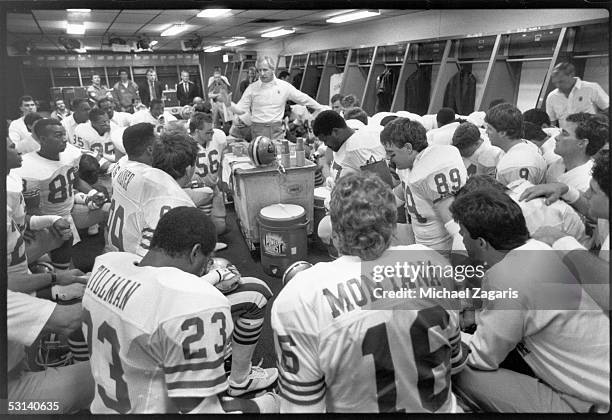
(43, 28)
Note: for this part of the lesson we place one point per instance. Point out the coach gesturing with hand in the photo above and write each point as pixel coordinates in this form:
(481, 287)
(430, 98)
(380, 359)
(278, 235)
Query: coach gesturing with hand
(265, 100)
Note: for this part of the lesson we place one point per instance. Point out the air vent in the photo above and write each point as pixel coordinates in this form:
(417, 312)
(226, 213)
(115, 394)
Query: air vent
(264, 20)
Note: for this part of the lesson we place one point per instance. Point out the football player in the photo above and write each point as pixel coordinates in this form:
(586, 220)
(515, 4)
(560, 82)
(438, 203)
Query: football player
(81, 109)
(157, 331)
(571, 375)
(436, 173)
(479, 156)
(335, 350)
(142, 195)
(581, 138)
(211, 145)
(352, 149)
(48, 183)
(521, 159)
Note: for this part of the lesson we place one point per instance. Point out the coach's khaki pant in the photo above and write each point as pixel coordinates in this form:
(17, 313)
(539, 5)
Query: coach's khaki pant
(272, 131)
(505, 391)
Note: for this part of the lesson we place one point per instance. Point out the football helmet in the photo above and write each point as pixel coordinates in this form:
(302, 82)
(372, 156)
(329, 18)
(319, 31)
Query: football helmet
(293, 269)
(262, 151)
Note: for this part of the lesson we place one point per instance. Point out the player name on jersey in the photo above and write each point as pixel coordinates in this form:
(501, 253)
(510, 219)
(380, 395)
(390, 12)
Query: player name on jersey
(359, 292)
(124, 177)
(111, 288)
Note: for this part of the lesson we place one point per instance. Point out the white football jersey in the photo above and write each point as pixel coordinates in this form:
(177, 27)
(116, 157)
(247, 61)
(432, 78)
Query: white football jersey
(558, 214)
(579, 177)
(335, 342)
(437, 173)
(522, 160)
(87, 138)
(70, 125)
(15, 204)
(557, 328)
(360, 148)
(72, 156)
(208, 163)
(52, 180)
(154, 333)
(484, 160)
(16, 260)
(122, 119)
(141, 196)
(442, 135)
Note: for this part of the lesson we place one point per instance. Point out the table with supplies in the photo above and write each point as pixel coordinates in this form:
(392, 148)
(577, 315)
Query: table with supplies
(257, 187)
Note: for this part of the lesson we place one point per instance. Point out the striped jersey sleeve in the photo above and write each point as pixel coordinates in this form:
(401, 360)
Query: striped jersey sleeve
(193, 348)
(301, 379)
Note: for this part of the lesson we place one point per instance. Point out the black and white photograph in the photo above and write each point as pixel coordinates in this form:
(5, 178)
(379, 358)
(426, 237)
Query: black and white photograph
(231, 207)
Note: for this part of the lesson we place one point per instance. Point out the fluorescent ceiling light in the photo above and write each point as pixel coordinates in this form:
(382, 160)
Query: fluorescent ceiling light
(75, 28)
(360, 14)
(278, 32)
(79, 10)
(81, 50)
(236, 42)
(212, 49)
(153, 43)
(174, 30)
(213, 13)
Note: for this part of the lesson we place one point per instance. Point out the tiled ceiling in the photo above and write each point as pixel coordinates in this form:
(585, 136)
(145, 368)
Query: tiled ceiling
(43, 28)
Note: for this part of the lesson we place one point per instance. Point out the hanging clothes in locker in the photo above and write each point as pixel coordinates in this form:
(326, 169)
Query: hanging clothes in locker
(417, 90)
(297, 80)
(385, 83)
(335, 82)
(460, 93)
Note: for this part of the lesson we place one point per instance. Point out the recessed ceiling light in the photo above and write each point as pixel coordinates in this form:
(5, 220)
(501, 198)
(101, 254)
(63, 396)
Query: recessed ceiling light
(174, 30)
(79, 10)
(212, 49)
(347, 17)
(75, 28)
(236, 42)
(213, 13)
(277, 32)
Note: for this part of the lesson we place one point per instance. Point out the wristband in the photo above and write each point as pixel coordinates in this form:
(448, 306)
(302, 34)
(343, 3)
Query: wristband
(42, 222)
(571, 196)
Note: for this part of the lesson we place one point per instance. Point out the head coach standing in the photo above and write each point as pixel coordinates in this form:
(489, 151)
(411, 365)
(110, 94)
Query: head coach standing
(265, 100)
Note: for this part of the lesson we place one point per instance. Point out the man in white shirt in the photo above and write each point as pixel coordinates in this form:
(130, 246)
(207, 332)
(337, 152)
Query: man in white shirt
(558, 330)
(521, 158)
(80, 115)
(592, 271)
(436, 173)
(155, 115)
(558, 215)
(479, 156)
(352, 148)
(580, 139)
(265, 100)
(122, 119)
(540, 119)
(573, 95)
(17, 128)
